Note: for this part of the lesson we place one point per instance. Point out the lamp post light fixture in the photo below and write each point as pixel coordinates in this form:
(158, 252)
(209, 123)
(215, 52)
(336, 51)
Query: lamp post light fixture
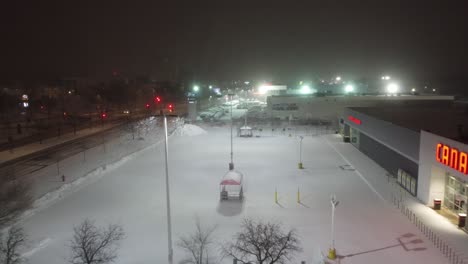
(332, 250)
(300, 153)
(196, 88)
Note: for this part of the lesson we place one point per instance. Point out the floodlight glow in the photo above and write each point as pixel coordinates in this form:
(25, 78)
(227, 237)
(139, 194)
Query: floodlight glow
(433, 90)
(392, 88)
(413, 90)
(349, 88)
(196, 88)
(305, 89)
(263, 89)
(211, 87)
(338, 78)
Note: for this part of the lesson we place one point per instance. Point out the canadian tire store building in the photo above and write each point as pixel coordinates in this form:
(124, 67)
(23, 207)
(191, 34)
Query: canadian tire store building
(432, 166)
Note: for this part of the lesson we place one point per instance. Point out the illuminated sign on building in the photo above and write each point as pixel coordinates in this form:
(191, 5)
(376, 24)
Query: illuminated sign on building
(452, 157)
(354, 120)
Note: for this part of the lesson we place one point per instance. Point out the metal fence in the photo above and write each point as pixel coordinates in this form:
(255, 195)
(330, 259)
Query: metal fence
(398, 200)
(53, 170)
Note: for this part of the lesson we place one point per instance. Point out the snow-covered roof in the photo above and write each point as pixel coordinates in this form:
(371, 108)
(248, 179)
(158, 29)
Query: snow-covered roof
(232, 177)
(246, 128)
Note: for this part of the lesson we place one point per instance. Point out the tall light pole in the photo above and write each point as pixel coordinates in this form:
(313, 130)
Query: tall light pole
(169, 228)
(231, 165)
(332, 250)
(300, 153)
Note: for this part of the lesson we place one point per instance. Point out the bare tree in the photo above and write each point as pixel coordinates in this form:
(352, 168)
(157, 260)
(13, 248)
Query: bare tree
(197, 245)
(93, 245)
(260, 243)
(10, 246)
(14, 199)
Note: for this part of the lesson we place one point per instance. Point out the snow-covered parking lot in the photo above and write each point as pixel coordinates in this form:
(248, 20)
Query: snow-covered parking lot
(368, 229)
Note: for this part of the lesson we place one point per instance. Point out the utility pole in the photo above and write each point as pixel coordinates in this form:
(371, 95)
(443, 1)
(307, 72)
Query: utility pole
(169, 228)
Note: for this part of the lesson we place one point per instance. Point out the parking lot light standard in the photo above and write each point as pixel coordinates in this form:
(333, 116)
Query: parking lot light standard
(168, 205)
(332, 250)
(231, 165)
(300, 153)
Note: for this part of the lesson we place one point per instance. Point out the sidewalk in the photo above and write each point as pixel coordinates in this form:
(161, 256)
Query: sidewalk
(7, 155)
(452, 241)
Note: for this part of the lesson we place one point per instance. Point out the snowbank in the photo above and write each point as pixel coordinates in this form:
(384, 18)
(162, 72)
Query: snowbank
(190, 130)
(68, 188)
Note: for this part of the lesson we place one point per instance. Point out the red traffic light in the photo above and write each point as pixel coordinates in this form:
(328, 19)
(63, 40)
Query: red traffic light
(157, 99)
(147, 105)
(103, 115)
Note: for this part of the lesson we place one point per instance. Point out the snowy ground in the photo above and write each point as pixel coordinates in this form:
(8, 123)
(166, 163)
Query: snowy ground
(368, 229)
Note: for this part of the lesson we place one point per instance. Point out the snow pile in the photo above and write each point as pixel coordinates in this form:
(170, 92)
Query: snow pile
(190, 130)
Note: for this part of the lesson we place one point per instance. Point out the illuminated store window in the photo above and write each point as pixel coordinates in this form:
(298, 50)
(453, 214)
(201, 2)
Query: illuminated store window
(455, 194)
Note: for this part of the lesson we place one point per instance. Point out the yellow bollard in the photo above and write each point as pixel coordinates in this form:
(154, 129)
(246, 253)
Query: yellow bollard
(332, 253)
(299, 165)
(298, 196)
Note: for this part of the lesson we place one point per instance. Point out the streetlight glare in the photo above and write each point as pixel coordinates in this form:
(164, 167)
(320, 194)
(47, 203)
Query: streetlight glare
(392, 88)
(305, 89)
(338, 78)
(349, 88)
(263, 89)
(196, 88)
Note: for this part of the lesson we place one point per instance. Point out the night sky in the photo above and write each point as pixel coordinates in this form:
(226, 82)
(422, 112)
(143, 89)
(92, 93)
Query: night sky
(413, 40)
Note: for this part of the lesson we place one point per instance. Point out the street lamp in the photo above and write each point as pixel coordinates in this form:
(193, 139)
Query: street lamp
(168, 205)
(196, 88)
(231, 164)
(300, 153)
(332, 250)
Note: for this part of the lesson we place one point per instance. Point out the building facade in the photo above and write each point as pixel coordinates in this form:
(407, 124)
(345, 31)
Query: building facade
(431, 167)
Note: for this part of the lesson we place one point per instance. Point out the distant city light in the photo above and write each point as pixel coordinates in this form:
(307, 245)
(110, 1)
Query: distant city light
(433, 90)
(392, 88)
(69, 92)
(196, 88)
(246, 82)
(211, 87)
(386, 77)
(338, 78)
(413, 90)
(349, 88)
